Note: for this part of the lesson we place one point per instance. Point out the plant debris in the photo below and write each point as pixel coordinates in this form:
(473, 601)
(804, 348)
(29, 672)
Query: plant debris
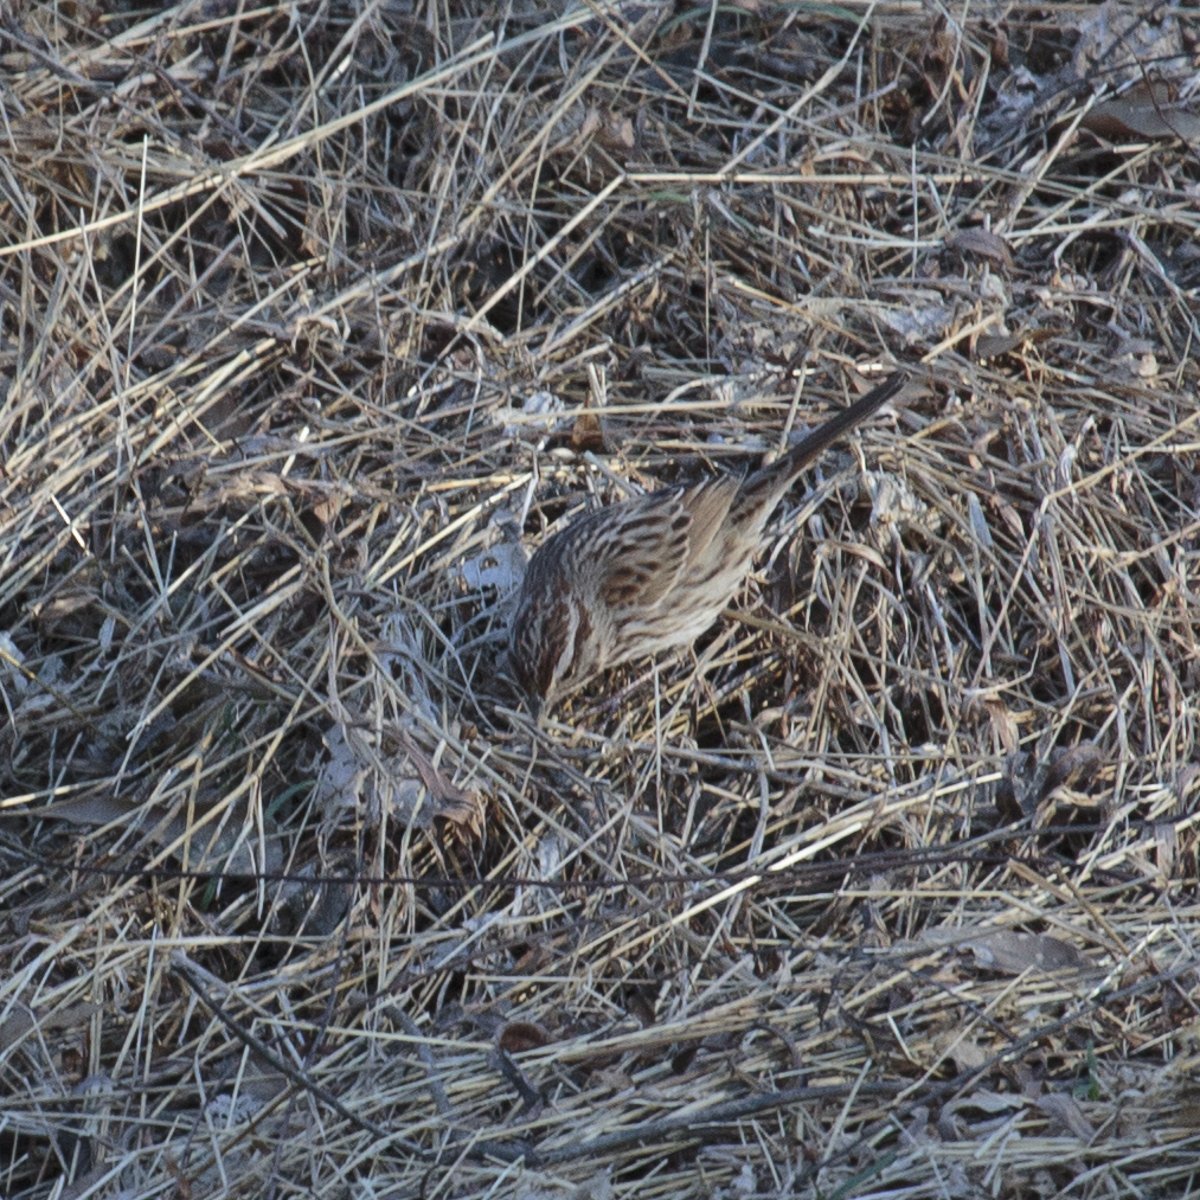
(314, 319)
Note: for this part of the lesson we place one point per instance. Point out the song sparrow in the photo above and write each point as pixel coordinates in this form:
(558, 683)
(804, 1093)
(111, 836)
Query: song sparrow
(645, 574)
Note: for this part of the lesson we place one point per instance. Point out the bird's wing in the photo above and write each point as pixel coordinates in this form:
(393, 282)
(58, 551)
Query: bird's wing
(709, 503)
(634, 550)
(645, 546)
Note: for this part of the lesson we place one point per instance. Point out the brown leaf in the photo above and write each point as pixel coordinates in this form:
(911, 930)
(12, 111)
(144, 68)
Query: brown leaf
(1142, 112)
(981, 243)
(327, 508)
(640, 1003)
(522, 1035)
(992, 345)
(1014, 953)
(463, 808)
(1074, 767)
(587, 433)
(1065, 1110)
(616, 133)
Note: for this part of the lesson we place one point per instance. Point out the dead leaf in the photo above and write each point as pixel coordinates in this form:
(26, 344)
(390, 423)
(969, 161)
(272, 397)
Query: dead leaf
(1143, 112)
(522, 1035)
(992, 345)
(451, 802)
(981, 243)
(1066, 1112)
(587, 433)
(1074, 768)
(1014, 953)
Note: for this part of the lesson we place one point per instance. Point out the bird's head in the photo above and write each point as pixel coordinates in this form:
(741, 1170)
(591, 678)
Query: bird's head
(549, 644)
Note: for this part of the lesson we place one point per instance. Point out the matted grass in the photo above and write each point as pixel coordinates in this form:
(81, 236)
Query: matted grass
(312, 317)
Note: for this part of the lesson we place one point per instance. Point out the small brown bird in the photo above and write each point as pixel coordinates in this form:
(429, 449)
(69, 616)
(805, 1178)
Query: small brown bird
(653, 572)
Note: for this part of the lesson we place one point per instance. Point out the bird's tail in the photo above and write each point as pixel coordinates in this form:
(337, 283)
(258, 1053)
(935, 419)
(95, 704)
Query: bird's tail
(761, 490)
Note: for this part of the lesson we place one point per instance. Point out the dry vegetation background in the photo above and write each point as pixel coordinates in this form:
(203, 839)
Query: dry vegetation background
(311, 316)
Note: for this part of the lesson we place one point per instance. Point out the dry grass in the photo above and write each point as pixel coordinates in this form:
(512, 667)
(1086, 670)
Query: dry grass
(310, 315)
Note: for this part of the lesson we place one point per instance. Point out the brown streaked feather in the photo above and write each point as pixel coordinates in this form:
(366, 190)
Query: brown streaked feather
(647, 574)
(709, 503)
(643, 548)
